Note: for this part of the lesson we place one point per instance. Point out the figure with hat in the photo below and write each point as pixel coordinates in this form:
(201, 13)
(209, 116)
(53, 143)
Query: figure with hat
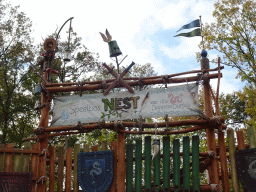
(49, 46)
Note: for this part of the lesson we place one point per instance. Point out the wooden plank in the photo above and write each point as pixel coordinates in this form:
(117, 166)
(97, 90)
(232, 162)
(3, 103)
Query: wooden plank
(176, 165)
(2, 157)
(8, 159)
(129, 167)
(157, 170)
(86, 148)
(68, 169)
(17, 162)
(75, 183)
(138, 165)
(95, 148)
(195, 163)
(251, 136)
(104, 145)
(223, 161)
(147, 165)
(51, 168)
(24, 151)
(121, 162)
(186, 164)
(240, 140)
(231, 145)
(34, 165)
(26, 158)
(114, 148)
(61, 154)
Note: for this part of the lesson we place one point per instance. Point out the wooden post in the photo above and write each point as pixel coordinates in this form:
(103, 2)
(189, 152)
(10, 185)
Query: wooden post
(186, 166)
(121, 163)
(251, 136)
(17, 162)
(147, 163)
(61, 156)
(95, 148)
(176, 165)
(114, 148)
(195, 163)
(223, 161)
(34, 165)
(86, 148)
(210, 133)
(26, 158)
(76, 152)
(44, 120)
(68, 169)
(156, 162)
(129, 166)
(51, 168)
(104, 145)
(8, 159)
(240, 139)
(2, 157)
(138, 165)
(232, 159)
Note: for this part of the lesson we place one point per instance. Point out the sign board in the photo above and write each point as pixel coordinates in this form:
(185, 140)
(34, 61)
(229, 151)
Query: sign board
(95, 170)
(174, 101)
(15, 182)
(246, 168)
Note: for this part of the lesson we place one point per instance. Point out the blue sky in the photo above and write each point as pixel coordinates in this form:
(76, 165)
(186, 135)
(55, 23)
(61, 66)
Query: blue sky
(144, 30)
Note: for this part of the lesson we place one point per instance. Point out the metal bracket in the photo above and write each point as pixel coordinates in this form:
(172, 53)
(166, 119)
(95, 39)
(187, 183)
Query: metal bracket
(165, 80)
(103, 85)
(140, 123)
(140, 83)
(80, 84)
(79, 126)
(167, 123)
(101, 123)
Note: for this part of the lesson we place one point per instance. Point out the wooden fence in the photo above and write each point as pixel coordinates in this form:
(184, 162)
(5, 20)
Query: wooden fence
(62, 164)
(156, 184)
(27, 160)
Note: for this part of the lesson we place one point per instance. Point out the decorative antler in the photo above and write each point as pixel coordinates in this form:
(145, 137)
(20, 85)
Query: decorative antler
(106, 39)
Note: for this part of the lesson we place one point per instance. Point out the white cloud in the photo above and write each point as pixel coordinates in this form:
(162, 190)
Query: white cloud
(187, 48)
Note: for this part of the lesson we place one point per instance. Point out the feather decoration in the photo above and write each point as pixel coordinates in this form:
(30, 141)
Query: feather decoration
(106, 39)
(108, 35)
(145, 99)
(54, 121)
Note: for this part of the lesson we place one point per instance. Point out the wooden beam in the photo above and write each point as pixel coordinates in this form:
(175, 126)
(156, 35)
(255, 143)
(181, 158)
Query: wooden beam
(131, 83)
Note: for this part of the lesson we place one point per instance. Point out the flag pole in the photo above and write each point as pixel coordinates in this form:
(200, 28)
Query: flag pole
(201, 25)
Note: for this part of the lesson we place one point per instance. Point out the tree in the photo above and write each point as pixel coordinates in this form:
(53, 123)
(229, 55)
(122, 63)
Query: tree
(232, 108)
(16, 50)
(233, 34)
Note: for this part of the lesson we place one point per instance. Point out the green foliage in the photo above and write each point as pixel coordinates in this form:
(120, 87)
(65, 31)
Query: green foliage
(233, 34)
(16, 80)
(232, 108)
(248, 96)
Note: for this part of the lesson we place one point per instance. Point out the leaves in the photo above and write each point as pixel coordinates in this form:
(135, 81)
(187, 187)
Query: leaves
(233, 34)
(17, 117)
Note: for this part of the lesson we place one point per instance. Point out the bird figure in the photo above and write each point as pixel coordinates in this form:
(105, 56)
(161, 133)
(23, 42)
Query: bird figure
(156, 148)
(106, 39)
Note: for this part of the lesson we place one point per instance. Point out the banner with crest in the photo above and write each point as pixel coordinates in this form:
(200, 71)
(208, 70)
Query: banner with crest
(174, 101)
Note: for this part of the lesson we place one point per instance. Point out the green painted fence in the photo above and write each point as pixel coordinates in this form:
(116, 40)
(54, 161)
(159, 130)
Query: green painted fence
(147, 175)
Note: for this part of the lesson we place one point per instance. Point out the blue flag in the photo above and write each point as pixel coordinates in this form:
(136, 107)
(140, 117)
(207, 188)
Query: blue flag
(195, 23)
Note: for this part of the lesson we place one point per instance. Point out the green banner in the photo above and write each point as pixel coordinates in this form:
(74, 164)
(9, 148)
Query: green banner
(196, 32)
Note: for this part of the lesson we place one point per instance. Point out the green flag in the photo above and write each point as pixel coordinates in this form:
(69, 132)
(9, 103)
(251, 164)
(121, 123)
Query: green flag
(196, 32)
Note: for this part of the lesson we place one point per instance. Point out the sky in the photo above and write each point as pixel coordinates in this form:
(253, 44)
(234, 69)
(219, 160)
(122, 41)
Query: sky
(143, 29)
